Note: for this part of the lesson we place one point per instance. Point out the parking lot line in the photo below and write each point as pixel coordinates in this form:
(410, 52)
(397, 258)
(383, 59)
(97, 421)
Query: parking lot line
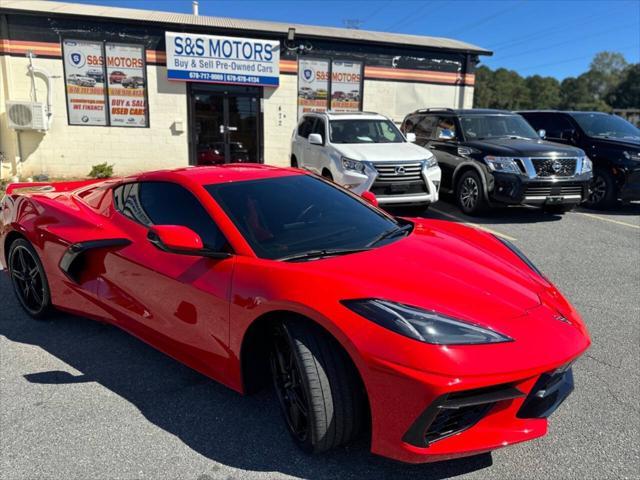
(605, 219)
(475, 225)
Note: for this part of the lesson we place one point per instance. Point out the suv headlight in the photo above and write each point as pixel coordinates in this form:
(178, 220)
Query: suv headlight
(631, 155)
(354, 165)
(502, 164)
(431, 162)
(587, 165)
(423, 325)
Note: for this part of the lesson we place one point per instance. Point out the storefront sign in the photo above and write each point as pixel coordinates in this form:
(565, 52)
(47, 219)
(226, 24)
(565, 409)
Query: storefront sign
(346, 79)
(313, 85)
(127, 85)
(214, 59)
(84, 82)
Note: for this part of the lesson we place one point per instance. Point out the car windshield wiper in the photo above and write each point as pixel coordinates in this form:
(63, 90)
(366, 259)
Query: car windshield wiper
(389, 234)
(327, 252)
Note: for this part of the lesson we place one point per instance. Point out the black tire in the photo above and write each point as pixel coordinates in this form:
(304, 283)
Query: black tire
(317, 388)
(558, 209)
(294, 161)
(327, 174)
(603, 191)
(470, 194)
(29, 279)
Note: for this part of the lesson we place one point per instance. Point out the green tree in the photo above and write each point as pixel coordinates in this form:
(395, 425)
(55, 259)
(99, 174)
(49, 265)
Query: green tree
(576, 94)
(627, 93)
(544, 92)
(483, 92)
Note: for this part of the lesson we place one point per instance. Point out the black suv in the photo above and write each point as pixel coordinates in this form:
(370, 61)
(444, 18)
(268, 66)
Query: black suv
(612, 144)
(495, 157)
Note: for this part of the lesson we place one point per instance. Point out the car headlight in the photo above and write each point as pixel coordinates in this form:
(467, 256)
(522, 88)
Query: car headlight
(431, 162)
(423, 325)
(502, 164)
(587, 165)
(520, 255)
(631, 155)
(354, 165)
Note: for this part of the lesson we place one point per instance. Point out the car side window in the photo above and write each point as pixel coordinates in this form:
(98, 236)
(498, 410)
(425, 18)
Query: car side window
(445, 128)
(424, 128)
(409, 124)
(319, 129)
(166, 203)
(554, 125)
(306, 126)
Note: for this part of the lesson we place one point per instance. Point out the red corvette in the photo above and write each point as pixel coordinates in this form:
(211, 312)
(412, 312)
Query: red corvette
(438, 340)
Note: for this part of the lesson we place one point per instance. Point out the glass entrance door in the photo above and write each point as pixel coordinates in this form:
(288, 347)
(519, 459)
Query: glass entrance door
(225, 124)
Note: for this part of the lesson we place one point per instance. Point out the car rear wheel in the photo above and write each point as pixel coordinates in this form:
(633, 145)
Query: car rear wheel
(602, 191)
(316, 387)
(29, 279)
(470, 193)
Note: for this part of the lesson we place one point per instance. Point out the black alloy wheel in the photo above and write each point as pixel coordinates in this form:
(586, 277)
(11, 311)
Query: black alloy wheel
(602, 190)
(28, 279)
(287, 379)
(470, 194)
(319, 392)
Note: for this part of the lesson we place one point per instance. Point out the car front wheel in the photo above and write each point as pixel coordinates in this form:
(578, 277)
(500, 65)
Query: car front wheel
(602, 191)
(317, 387)
(470, 193)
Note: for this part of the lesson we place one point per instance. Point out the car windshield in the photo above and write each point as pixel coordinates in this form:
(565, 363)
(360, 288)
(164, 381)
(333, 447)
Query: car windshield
(606, 126)
(364, 131)
(480, 127)
(301, 214)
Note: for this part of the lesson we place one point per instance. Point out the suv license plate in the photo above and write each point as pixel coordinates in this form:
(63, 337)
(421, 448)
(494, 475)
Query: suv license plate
(554, 200)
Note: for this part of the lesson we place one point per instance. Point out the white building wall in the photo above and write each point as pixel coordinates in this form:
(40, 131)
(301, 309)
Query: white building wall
(280, 115)
(70, 151)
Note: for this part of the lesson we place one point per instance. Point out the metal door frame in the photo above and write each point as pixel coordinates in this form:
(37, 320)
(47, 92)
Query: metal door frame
(225, 91)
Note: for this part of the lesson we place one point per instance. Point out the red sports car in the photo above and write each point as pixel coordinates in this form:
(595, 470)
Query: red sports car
(438, 340)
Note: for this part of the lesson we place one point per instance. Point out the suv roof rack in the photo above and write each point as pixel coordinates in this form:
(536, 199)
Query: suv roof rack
(438, 109)
(332, 112)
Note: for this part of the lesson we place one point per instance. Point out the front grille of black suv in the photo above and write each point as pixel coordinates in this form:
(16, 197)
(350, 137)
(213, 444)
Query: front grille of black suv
(555, 167)
(553, 190)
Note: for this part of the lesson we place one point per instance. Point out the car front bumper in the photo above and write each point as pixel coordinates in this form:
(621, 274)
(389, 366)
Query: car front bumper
(516, 189)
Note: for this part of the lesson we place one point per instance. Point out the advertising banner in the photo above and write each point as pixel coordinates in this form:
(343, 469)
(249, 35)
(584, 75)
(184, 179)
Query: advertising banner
(313, 85)
(215, 59)
(346, 80)
(127, 85)
(84, 82)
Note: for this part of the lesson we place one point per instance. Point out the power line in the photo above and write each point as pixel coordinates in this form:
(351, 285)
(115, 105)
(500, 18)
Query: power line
(507, 44)
(486, 19)
(575, 59)
(409, 18)
(546, 47)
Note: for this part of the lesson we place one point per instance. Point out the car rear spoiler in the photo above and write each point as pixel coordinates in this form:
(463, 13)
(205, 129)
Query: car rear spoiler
(48, 187)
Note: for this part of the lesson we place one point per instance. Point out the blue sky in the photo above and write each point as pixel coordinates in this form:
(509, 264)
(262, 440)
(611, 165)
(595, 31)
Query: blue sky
(555, 38)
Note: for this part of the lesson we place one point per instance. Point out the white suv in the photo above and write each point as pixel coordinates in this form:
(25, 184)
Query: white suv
(366, 151)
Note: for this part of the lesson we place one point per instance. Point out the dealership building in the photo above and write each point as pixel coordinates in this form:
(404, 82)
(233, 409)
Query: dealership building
(82, 85)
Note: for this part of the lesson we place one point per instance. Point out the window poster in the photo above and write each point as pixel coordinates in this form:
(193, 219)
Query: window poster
(127, 82)
(84, 82)
(313, 85)
(345, 86)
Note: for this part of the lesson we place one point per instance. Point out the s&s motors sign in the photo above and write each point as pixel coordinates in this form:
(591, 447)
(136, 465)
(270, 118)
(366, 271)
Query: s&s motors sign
(213, 59)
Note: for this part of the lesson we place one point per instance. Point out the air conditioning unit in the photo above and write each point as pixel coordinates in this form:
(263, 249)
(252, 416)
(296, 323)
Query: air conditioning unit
(27, 116)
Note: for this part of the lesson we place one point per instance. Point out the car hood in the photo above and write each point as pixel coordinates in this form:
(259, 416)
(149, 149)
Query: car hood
(379, 152)
(446, 267)
(508, 147)
(622, 144)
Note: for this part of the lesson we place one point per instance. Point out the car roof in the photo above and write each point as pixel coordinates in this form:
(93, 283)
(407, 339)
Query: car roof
(563, 111)
(232, 172)
(349, 115)
(463, 111)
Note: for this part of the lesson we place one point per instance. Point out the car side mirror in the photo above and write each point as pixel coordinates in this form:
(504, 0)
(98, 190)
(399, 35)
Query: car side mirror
(315, 139)
(370, 197)
(446, 134)
(542, 133)
(180, 240)
(568, 134)
(411, 137)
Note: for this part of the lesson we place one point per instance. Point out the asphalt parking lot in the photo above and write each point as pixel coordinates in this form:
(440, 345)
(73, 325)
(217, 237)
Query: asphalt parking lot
(82, 400)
